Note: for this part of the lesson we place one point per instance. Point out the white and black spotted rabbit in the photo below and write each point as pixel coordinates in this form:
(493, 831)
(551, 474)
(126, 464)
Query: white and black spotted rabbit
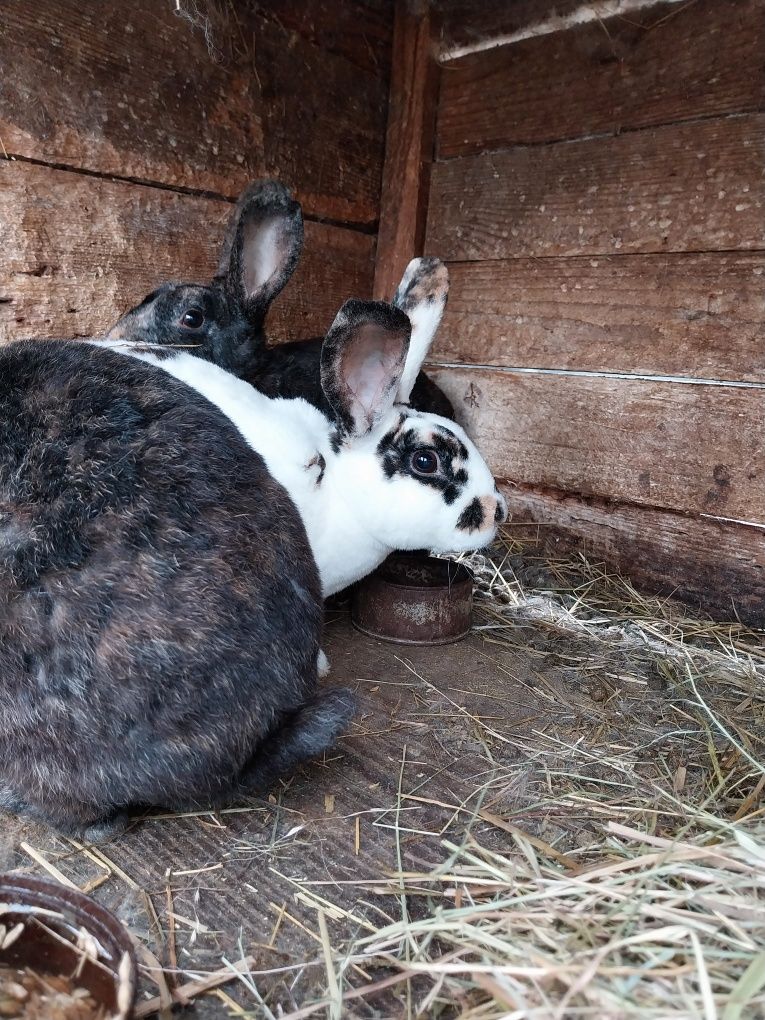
(370, 475)
(232, 316)
(160, 608)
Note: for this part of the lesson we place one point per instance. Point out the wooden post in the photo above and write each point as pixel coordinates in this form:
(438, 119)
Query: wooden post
(408, 145)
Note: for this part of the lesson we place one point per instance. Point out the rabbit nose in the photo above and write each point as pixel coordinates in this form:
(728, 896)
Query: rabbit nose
(500, 514)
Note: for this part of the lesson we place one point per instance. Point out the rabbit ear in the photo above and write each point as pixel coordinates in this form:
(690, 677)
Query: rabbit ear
(262, 246)
(362, 360)
(422, 295)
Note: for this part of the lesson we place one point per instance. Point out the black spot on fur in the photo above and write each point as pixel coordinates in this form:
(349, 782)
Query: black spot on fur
(320, 462)
(398, 445)
(498, 515)
(472, 517)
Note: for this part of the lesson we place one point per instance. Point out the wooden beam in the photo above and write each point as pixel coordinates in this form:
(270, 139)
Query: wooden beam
(408, 146)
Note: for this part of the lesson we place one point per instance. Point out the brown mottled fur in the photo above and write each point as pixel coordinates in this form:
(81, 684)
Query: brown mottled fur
(160, 609)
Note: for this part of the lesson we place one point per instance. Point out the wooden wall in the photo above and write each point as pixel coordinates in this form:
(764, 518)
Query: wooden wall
(125, 134)
(599, 195)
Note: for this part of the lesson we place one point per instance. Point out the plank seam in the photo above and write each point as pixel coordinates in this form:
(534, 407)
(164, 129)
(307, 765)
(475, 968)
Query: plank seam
(369, 228)
(585, 374)
(677, 254)
(600, 135)
(599, 501)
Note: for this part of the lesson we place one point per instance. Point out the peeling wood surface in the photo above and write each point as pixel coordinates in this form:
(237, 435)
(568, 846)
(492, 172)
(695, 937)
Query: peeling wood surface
(76, 252)
(686, 447)
(133, 91)
(714, 566)
(684, 315)
(656, 66)
(408, 149)
(684, 187)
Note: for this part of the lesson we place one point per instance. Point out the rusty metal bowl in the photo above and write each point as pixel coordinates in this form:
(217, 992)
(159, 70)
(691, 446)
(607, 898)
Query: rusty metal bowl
(54, 918)
(414, 599)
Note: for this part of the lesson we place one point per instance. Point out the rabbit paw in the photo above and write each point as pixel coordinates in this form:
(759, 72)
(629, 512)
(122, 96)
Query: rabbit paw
(106, 828)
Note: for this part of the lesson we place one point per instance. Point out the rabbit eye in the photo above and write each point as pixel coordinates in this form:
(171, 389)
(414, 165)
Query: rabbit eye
(193, 318)
(425, 462)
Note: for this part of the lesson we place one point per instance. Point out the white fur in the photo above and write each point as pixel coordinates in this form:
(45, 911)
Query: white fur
(356, 516)
(425, 319)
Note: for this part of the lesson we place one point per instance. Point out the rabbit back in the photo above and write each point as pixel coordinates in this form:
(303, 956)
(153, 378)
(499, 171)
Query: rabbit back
(160, 610)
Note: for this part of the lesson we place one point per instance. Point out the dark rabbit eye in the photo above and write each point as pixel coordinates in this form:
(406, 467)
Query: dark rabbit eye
(193, 318)
(425, 462)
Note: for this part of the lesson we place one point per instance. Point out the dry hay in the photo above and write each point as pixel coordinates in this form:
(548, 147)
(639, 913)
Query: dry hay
(661, 912)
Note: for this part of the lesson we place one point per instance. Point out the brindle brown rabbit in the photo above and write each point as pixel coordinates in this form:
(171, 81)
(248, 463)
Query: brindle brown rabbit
(160, 608)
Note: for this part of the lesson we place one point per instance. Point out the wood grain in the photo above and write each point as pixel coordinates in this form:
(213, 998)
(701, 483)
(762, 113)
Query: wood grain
(687, 447)
(684, 315)
(683, 187)
(408, 148)
(361, 31)
(652, 67)
(76, 252)
(323, 126)
(715, 566)
(133, 91)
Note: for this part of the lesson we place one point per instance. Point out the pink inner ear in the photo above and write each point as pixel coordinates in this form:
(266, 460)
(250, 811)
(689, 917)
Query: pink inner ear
(370, 369)
(265, 249)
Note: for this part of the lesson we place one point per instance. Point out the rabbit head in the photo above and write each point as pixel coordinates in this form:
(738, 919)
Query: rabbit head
(407, 478)
(223, 322)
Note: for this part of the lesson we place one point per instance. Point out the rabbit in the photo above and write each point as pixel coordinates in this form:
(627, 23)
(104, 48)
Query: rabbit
(370, 475)
(266, 234)
(160, 609)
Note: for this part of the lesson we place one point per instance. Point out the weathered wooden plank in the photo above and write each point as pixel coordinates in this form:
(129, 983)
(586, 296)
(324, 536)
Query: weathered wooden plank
(408, 148)
(657, 66)
(688, 447)
(77, 251)
(134, 91)
(683, 187)
(715, 566)
(685, 315)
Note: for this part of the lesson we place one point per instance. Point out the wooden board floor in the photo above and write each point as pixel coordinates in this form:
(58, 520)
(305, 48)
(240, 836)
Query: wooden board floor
(435, 723)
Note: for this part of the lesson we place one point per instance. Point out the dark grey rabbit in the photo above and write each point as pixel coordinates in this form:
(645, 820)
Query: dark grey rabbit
(225, 323)
(160, 608)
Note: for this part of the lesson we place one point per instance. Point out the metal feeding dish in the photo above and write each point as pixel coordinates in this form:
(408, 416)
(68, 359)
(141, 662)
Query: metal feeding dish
(58, 936)
(414, 599)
